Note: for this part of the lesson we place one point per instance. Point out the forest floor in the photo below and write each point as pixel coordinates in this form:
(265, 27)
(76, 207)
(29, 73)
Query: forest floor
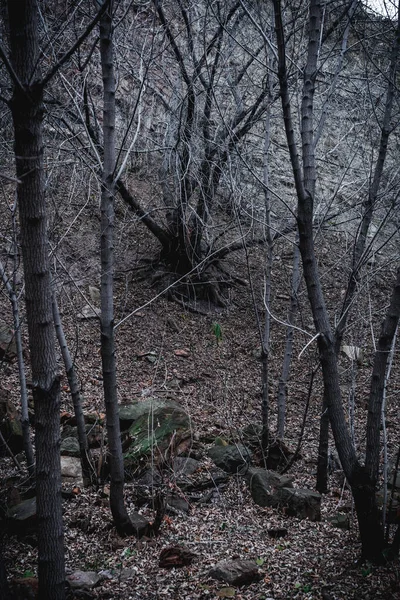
(219, 385)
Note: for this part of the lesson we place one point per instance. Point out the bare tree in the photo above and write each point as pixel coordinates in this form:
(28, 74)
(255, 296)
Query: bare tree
(119, 512)
(362, 478)
(27, 111)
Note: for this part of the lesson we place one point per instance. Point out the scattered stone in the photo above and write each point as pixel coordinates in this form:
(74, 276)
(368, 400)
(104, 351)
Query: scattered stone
(231, 458)
(71, 470)
(24, 512)
(156, 428)
(70, 447)
(140, 524)
(175, 556)
(175, 503)
(129, 413)
(127, 574)
(83, 580)
(340, 521)
(185, 466)
(150, 478)
(299, 503)
(236, 572)
(89, 312)
(267, 488)
(263, 484)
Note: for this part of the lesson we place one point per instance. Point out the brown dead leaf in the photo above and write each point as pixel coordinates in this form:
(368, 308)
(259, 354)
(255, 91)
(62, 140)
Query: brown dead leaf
(184, 352)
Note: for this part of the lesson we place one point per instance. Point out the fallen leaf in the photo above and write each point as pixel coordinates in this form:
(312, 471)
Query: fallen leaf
(226, 592)
(184, 352)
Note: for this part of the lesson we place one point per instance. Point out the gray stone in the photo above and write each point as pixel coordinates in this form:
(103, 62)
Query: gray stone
(268, 488)
(156, 428)
(71, 470)
(263, 484)
(128, 574)
(83, 580)
(236, 572)
(150, 478)
(140, 523)
(129, 413)
(24, 511)
(70, 447)
(300, 503)
(175, 503)
(69, 431)
(230, 458)
(340, 521)
(185, 466)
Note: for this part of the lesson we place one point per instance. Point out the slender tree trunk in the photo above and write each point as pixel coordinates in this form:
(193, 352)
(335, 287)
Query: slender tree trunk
(26, 437)
(87, 467)
(282, 386)
(27, 113)
(361, 479)
(119, 512)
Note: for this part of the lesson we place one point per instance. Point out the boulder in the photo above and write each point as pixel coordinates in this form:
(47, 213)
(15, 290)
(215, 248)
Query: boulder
(340, 521)
(236, 572)
(23, 512)
(83, 580)
(175, 503)
(21, 518)
(71, 470)
(140, 524)
(263, 484)
(70, 447)
(231, 459)
(300, 503)
(184, 466)
(150, 478)
(155, 429)
(268, 488)
(129, 413)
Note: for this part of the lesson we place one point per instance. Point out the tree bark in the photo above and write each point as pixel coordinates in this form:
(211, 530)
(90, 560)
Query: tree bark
(87, 467)
(27, 112)
(26, 434)
(361, 479)
(117, 505)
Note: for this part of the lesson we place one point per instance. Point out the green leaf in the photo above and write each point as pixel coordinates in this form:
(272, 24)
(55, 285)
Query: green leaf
(28, 573)
(217, 331)
(260, 561)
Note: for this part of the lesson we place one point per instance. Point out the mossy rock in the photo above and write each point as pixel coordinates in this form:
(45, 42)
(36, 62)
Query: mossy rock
(154, 429)
(129, 413)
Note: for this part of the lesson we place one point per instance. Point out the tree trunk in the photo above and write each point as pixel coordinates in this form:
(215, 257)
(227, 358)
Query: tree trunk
(26, 434)
(117, 505)
(27, 113)
(360, 480)
(282, 385)
(87, 467)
